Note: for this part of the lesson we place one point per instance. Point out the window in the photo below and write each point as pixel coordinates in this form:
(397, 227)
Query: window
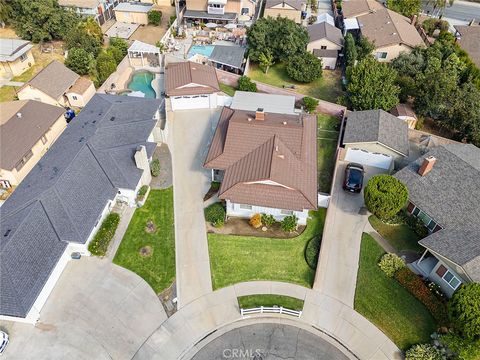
(424, 217)
(381, 55)
(323, 47)
(245, 11)
(24, 160)
(44, 139)
(286, 212)
(451, 280)
(74, 97)
(432, 225)
(245, 207)
(23, 57)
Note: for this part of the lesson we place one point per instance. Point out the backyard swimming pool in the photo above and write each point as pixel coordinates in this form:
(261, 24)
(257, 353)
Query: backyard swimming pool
(205, 50)
(142, 81)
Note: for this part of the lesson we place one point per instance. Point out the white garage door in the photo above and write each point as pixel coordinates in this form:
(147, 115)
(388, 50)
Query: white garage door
(364, 157)
(190, 102)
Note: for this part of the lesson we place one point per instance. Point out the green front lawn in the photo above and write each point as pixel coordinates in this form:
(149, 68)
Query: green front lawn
(227, 89)
(387, 304)
(328, 87)
(401, 237)
(7, 93)
(235, 259)
(326, 147)
(267, 300)
(157, 264)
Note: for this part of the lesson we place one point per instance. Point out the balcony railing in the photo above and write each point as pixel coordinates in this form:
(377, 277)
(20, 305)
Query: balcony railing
(216, 10)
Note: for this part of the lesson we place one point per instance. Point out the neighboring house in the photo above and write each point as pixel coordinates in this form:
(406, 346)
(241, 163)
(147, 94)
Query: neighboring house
(406, 113)
(267, 163)
(132, 12)
(444, 193)
(468, 38)
(291, 9)
(101, 10)
(191, 86)
(375, 138)
(228, 58)
(325, 17)
(270, 103)
(101, 158)
(390, 32)
(27, 130)
(223, 11)
(58, 85)
(354, 8)
(15, 57)
(325, 41)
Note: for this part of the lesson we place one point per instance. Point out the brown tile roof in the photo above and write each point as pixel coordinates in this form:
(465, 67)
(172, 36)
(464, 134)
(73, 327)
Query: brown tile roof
(81, 85)
(189, 78)
(19, 134)
(354, 8)
(280, 150)
(386, 27)
(470, 41)
(324, 30)
(54, 80)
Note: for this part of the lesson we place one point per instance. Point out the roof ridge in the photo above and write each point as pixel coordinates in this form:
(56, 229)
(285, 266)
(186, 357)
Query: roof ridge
(458, 157)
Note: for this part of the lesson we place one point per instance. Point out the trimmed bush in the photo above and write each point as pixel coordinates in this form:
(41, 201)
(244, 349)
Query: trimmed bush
(464, 310)
(289, 223)
(215, 214)
(141, 193)
(417, 226)
(304, 68)
(256, 221)
(423, 352)
(414, 284)
(80, 61)
(385, 196)
(155, 167)
(246, 84)
(99, 245)
(463, 349)
(312, 251)
(154, 17)
(120, 44)
(310, 104)
(268, 220)
(390, 264)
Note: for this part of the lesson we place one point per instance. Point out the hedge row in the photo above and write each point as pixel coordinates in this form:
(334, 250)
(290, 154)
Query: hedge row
(99, 245)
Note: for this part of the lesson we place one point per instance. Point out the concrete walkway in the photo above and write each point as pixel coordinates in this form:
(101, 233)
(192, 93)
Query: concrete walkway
(379, 238)
(191, 131)
(126, 215)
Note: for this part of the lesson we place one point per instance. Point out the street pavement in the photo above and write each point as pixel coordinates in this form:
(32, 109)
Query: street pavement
(460, 12)
(190, 133)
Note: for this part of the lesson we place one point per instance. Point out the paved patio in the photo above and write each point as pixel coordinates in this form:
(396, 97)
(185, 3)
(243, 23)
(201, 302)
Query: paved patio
(164, 180)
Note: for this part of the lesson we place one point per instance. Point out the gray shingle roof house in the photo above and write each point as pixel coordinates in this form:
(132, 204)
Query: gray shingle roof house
(447, 197)
(59, 205)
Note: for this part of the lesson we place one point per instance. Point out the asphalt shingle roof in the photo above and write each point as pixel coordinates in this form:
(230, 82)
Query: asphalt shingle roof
(324, 30)
(377, 126)
(228, 55)
(63, 196)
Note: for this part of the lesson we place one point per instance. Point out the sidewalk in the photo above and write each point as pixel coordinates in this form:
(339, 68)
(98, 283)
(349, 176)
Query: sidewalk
(126, 215)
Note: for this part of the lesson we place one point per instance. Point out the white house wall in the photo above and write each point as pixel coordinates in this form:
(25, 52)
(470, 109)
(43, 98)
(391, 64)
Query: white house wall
(234, 209)
(188, 102)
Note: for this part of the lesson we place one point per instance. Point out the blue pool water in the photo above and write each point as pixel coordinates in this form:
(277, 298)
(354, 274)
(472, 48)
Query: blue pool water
(205, 50)
(142, 81)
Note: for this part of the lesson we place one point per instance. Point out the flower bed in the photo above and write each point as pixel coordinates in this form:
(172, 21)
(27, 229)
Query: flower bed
(99, 245)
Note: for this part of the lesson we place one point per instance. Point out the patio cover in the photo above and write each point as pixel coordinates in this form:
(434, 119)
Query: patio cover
(196, 14)
(228, 55)
(141, 47)
(351, 24)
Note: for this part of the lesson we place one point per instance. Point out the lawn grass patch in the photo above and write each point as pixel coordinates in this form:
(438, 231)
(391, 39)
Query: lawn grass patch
(227, 89)
(401, 237)
(328, 87)
(268, 300)
(7, 93)
(157, 268)
(387, 304)
(326, 148)
(235, 259)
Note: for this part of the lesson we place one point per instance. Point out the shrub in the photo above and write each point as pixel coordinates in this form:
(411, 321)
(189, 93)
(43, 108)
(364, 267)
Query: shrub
(390, 264)
(218, 223)
(116, 53)
(106, 65)
(464, 310)
(215, 185)
(463, 349)
(385, 196)
(268, 220)
(99, 245)
(417, 226)
(171, 20)
(142, 192)
(423, 352)
(414, 284)
(120, 44)
(305, 67)
(256, 221)
(154, 17)
(312, 19)
(310, 104)
(432, 24)
(215, 213)
(245, 84)
(312, 251)
(155, 167)
(79, 61)
(289, 223)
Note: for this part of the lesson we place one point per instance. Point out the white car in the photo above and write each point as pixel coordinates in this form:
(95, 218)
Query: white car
(3, 341)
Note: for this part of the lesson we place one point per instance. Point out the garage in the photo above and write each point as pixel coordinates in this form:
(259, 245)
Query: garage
(368, 158)
(190, 102)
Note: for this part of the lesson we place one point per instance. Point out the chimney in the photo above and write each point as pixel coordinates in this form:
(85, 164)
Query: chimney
(260, 114)
(427, 165)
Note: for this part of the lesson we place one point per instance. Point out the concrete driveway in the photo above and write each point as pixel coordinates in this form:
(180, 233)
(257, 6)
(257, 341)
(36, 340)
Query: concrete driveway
(190, 134)
(337, 268)
(97, 310)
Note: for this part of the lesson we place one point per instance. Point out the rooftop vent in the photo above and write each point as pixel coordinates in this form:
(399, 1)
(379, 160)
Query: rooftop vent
(7, 233)
(427, 165)
(284, 123)
(249, 119)
(112, 118)
(19, 115)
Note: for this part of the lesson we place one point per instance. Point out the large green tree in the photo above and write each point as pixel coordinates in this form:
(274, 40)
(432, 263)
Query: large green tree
(364, 48)
(464, 310)
(405, 7)
(5, 12)
(385, 196)
(279, 36)
(304, 68)
(106, 65)
(372, 85)
(41, 20)
(80, 61)
(87, 35)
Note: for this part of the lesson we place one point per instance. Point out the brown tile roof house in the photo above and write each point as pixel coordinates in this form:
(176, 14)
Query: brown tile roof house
(468, 37)
(269, 159)
(386, 27)
(324, 30)
(189, 78)
(354, 8)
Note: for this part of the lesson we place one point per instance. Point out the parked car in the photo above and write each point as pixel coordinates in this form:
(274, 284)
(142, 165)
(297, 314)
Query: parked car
(353, 180)
(3, 341)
